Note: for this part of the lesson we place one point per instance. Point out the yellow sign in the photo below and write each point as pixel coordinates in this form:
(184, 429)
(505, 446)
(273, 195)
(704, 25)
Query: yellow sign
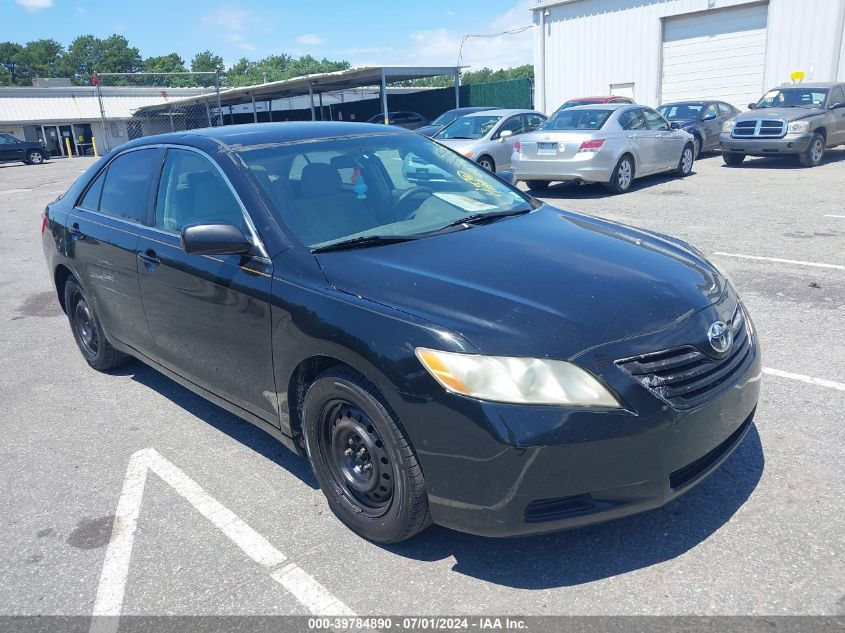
(797, 76)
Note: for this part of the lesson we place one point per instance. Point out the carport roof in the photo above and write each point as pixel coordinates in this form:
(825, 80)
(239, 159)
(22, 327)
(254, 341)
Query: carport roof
(319, 83)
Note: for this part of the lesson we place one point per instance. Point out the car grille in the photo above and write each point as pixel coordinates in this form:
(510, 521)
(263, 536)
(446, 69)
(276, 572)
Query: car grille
(759, 128)
(686, 377)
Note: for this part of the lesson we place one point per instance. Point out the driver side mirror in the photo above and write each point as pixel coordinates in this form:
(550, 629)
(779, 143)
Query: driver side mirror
(751, 106)
(675, 125)
(708, 117)
(504, 134)
(837, 106)
(214, 238)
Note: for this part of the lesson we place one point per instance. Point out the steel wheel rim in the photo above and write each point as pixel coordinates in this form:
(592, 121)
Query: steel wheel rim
(817, 151)
(84, 324)
(357, 458)
(624, 174)
(36, 157)
(687, 160)
(486, 164)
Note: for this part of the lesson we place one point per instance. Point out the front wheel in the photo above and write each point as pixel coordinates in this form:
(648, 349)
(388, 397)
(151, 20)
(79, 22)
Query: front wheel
(537, 185)
(487, 163)
(88, 332)
(34, 157)
(622, 176)
(684, 167)
(363, 459)
(697, 145)
(813, 155)
(734, 159)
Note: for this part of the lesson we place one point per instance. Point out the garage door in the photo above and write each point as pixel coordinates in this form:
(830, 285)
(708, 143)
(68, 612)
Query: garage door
(715, 55)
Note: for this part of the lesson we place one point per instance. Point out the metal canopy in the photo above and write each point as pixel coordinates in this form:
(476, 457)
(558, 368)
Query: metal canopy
(311, 85)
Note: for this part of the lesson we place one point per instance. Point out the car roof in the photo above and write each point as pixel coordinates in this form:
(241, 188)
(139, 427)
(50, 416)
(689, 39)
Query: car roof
(603, 106)
(677, 103)
(503, 112)
(811, 84)
(602, 98)
(262, 133)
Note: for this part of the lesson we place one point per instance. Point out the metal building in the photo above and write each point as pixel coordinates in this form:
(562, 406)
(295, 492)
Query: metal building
(667, 50)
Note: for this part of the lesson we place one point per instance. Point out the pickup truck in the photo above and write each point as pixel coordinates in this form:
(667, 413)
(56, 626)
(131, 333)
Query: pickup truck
(799, 119)
(30, 152)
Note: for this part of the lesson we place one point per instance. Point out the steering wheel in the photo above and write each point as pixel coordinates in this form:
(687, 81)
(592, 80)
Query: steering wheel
(413, 192)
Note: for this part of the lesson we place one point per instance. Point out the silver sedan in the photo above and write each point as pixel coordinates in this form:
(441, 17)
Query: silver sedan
(488, 137)
(611, 144)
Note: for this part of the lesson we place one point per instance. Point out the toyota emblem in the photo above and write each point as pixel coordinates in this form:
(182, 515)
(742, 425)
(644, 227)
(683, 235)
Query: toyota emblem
(720, 336)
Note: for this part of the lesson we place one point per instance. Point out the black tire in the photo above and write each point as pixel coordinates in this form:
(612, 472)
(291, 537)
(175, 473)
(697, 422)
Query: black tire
(697, 145)
(87, 331)
(814, 154)
(35, 157)
(622, 176)
(734, 159)
(487, 163)
(537, 185)
(684, 167)
(363, 459)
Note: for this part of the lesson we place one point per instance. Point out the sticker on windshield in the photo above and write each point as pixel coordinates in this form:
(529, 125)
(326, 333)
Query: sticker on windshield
(464, 203)
(476, 182)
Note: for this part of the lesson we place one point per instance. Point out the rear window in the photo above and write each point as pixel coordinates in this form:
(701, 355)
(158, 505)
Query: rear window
(681, 112)
(577, 120)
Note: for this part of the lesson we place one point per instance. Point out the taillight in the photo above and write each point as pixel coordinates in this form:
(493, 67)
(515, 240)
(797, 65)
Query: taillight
(591, 146)
(517, 147)
(43, 222)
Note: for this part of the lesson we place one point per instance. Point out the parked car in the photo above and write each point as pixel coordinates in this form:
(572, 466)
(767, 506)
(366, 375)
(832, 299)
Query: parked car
(488, 137)
(611, 144)
(702, 119)
(401, 118)
(593, 101)
(447, 117)
(798, 119)
(386, 331)
(29, 152)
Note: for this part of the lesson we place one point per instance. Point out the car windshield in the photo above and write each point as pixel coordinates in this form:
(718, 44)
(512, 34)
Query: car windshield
(592, 119)
(681, 111)
(468, 127)
(794, 98)
(446, 117)
(384, 186)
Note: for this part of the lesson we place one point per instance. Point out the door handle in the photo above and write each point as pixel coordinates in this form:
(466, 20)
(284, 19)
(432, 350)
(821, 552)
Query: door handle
(151, 261)
(659, 136)
(633, 136)
(75, 233)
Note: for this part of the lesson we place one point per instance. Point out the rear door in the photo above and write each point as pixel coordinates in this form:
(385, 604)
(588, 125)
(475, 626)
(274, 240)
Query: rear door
(209, 315)
(105, 225)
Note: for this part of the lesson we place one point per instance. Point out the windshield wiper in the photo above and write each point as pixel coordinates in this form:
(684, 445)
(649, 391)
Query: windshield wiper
(477, 219)
(363, 242)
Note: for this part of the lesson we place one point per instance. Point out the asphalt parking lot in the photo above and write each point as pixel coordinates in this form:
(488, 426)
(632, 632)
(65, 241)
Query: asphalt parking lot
(223, 502)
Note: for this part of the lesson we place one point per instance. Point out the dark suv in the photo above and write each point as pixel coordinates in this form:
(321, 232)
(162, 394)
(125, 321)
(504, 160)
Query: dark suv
(402, 118)
(30, 152)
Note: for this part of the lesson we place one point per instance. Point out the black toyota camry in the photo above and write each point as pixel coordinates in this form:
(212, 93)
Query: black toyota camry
(442, 347)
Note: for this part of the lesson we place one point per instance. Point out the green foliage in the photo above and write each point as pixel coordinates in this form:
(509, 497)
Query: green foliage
(481, 76)
(207, 62)
(11, 71)
(88, 54)
(171, 63)
(277, 67)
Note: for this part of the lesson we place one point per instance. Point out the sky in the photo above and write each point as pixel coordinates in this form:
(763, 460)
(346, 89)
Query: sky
(364, 32)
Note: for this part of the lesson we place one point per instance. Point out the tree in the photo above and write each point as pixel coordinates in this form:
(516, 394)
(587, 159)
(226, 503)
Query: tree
(207, 62)
(10, 63)
(88, 54)
(171, 63)
(277, 67)
(42, 58)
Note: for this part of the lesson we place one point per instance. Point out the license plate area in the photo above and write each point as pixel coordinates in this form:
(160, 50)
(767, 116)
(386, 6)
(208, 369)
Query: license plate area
(548, 148)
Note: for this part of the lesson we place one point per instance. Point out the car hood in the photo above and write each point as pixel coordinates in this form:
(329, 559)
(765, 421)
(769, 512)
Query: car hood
(545, 284)
(787, 114)
(428, 130)
(461, 145)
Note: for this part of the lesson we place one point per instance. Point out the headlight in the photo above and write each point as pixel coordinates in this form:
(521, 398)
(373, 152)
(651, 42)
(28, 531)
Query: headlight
(728, 126)
(516, 380)
(799, 126)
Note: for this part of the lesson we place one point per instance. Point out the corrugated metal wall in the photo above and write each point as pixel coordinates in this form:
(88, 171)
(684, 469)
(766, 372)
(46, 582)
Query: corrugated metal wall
(591, 44)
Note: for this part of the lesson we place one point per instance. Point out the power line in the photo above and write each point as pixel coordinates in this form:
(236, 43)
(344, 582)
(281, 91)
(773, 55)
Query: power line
(466, 37)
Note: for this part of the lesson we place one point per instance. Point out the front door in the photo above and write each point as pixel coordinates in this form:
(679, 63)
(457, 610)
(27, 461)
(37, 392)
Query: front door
(668, 142)
(837, 95)
(10, 148)
(503, 147)
(66, 132)
(51, 140)
(209, 315)
(641, 140)
(104, 228)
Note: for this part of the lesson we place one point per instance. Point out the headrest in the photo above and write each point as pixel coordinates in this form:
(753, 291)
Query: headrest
(342, 161)
(319, 179)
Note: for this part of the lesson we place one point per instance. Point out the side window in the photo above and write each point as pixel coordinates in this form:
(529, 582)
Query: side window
(126, 185)
(655, 121)
(633, 120)
(4, 139)
(534, 121)
(837, 95)
(711, 109)
(515, 124)
(91, 199)
(193, 191)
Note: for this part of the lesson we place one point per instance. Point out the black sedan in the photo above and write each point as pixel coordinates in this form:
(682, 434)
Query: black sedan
(702, 119)
(442, 347)
(29, 152)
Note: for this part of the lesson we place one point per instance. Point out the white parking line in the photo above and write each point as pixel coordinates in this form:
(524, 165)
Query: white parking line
(11, 191)
(112, 586)
(833, 215)
(821, 382)
(782, 261)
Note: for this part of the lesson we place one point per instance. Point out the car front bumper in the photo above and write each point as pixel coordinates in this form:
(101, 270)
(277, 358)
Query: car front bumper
(794, 143)
(506, 470)
(584, 166)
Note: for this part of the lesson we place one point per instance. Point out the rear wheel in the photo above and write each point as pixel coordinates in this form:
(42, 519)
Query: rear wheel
(538, 184)
(34, 157)
(734, 159)
(363, 458)
(685, 163)
(814, 153)
(87, 331)
(487, 163)
(623, 175)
